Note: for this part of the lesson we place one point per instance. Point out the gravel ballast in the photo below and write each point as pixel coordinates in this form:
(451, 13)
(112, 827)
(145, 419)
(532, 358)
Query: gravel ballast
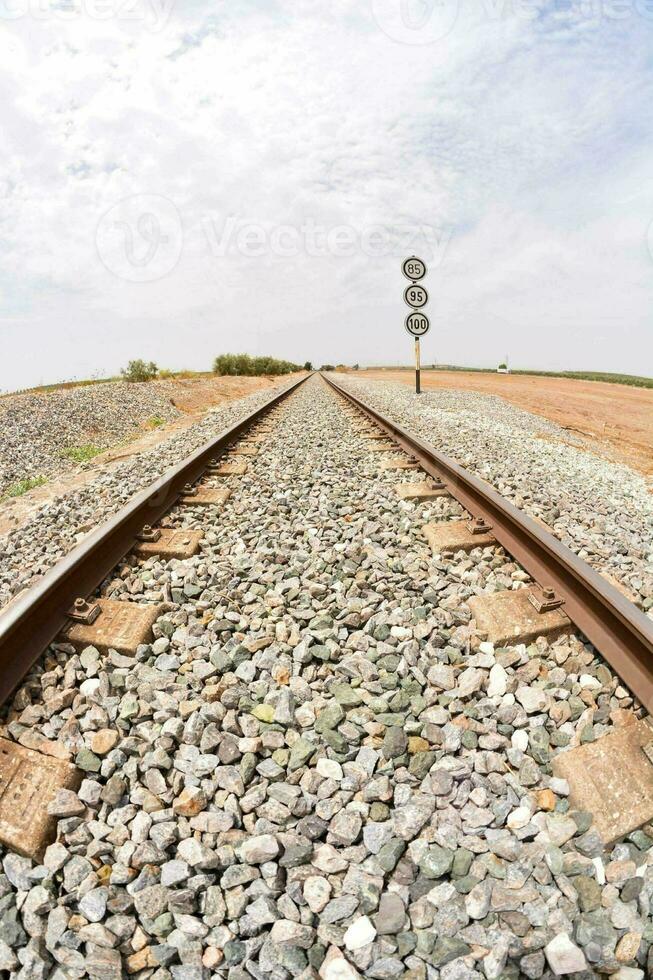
(317, 768)
(31, 549)
(603, 511)
(37, 429)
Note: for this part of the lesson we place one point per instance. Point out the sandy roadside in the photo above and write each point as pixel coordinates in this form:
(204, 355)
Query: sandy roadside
(617, 419)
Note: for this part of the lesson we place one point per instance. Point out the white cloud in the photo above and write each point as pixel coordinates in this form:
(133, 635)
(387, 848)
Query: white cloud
(517, 142)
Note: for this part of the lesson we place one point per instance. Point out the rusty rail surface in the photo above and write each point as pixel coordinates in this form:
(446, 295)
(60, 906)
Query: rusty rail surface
(620, 631)
(34, 619)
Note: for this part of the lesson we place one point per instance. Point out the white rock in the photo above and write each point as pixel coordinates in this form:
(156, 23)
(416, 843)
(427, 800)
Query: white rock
(89, 792)
(587, 681)
(486, 647)
(442, 676)
(360, 933)
(294, 933)
(317, 892)
(495, 961)
(56, 855)
(90, 687)
(195, 854)
(477, 902)
(470, 680)
(498, 682)
(532, 699)
(327, 859)
(559, 786)
(560, 828)
(305, 715)
(519, 740)
(330, 769)
(258, 850)
(336, 967)
(441, 895)
(563, 956)
(519, 818)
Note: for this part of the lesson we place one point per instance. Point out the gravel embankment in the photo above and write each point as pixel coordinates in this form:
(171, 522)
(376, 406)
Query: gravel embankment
(28, 551)
(37, 429)
(603, 511)
(315, 766)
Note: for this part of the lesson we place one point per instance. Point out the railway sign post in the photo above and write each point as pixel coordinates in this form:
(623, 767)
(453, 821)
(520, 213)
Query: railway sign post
(417, 323)
(413, 268)
(416, 296)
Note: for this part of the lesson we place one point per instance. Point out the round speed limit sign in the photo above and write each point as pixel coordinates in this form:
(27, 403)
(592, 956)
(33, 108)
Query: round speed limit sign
(416, 296)
(413, 268)
(417, 324)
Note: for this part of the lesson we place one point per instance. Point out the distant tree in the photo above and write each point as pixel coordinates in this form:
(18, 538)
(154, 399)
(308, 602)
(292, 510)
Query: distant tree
(327, 367)
(503, 367)
(140, 371)
(308, 366)
(356, 366)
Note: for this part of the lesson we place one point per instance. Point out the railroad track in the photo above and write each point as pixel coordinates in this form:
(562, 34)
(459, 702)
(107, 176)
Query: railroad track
(336, 690)
(615, 626)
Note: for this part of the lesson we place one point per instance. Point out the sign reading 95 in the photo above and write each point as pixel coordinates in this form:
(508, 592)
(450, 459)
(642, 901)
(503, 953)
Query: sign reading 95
(416, 296)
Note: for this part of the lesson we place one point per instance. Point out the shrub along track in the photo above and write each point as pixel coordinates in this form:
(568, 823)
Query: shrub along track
(315, 762)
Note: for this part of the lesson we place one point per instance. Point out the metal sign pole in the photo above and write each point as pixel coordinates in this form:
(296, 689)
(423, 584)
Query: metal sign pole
(417, 367)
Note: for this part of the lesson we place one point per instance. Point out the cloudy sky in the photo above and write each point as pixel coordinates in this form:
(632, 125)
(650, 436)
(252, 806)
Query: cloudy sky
(181, 178)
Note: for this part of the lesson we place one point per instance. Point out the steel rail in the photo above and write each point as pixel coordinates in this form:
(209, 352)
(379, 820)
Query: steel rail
(34, 619)
(621, 632)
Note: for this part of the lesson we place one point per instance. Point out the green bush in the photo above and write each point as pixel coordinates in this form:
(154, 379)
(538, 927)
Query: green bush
(140, 371)
(308, 366)
(248, 366)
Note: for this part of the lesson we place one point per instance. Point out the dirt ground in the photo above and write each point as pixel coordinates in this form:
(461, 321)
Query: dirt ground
(196, 395)
(617, 418)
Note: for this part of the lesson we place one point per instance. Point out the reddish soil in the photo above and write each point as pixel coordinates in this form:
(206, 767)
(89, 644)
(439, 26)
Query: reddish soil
(196, 395)
(618, 419)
